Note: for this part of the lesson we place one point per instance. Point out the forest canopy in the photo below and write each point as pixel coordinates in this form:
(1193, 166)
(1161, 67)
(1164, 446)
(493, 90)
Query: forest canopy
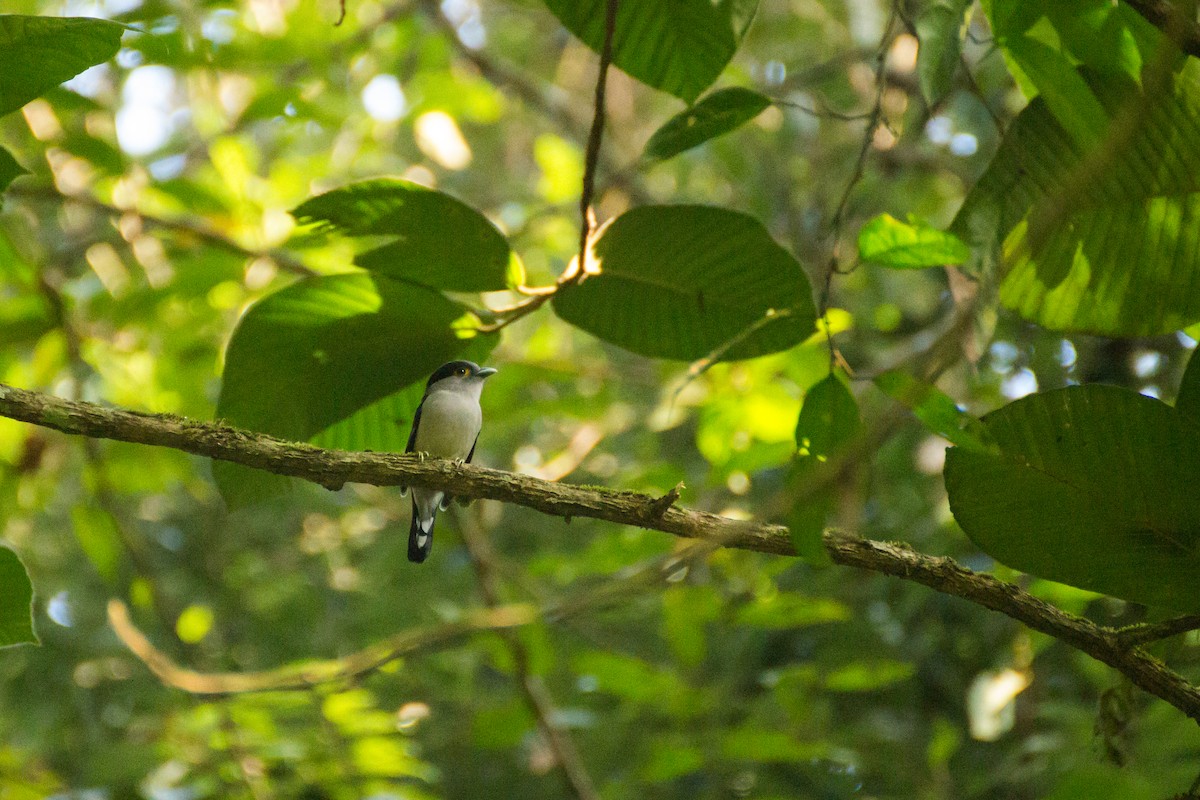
(843, 442)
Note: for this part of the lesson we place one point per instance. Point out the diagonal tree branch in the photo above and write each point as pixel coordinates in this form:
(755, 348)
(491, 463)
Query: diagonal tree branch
(333, 468)
(537, 696)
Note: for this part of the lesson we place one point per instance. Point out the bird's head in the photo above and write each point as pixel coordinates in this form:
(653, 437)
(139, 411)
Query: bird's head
(459, 373)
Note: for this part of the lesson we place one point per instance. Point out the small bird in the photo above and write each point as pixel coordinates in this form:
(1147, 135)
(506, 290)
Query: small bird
(446, 425)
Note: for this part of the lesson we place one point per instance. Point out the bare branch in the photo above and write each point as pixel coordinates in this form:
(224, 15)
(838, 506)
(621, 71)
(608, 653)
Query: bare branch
(537, 697)
(334, 468)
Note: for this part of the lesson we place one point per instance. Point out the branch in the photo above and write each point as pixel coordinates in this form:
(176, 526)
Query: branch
(537, 697)
(333, 468)
(652, 574)
(313, 673)
(1147, 632)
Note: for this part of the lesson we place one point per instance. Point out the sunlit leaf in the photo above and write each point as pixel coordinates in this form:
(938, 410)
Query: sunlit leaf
(1063, 90)
(718, 113)
(16, 597)
(313, 354)
(679, 46)
(42, 52)
(888, 242)
(194, 623)
(1124, 256)
(1092, 486)
(681, 281)
(440, 241)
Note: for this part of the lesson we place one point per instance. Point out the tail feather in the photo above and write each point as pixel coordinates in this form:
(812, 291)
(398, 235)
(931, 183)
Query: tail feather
(420, 534)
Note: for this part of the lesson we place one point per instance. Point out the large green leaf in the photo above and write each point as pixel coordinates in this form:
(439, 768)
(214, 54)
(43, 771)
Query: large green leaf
(1061, 87)
(718, 113)
(440, 241)
(1119, 256)
(1106, 37)
(682, 281)
(16, 596)
(42, 52)
(313, 354)
(1093, 486)
(679, 46)
(828, 422)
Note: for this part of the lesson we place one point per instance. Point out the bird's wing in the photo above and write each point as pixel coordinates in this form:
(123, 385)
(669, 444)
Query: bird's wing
(412, 437)
(471, 454)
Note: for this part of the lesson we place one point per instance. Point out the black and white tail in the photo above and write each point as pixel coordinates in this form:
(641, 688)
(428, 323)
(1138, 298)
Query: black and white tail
(420, 534)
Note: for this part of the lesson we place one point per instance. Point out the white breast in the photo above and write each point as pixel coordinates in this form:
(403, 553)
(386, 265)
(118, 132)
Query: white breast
(450, 422)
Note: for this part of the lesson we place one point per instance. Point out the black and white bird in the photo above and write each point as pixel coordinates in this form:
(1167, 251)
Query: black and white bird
(446, 425)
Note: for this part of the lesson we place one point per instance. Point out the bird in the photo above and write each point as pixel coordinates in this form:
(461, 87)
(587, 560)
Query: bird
(446, 425)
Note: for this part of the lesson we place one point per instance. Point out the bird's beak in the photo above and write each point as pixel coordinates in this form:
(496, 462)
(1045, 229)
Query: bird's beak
(485, 372)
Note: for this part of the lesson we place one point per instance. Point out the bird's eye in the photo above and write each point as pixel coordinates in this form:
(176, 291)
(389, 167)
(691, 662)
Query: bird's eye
(462, 370)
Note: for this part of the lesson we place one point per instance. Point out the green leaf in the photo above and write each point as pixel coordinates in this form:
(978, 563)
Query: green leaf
(888, 242)
(828, 421)
(756, 745)
(936, 410)
(719, 113)
(24, 318)
(99, 539)
(10, 170)
(681, 281)
(939, 30)
(42, 52)
(1187, 400)
(1092, 486)
(16, 599)
(1064, 91)
(787, 611)
(311, 355)
(1124, 259)
(868, 676)
(440, 241)
(678, 46)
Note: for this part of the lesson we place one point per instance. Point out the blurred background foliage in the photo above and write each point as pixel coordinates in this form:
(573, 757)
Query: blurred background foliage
(157, 212)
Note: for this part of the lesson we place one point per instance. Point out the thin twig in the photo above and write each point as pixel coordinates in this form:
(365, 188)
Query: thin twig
(595, 136)
(1147, 632)
(536, 696)
(577, 272)
(187, 227)
(860, 166)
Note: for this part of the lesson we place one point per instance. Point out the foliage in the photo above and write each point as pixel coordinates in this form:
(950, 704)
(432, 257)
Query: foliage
(246, 212)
